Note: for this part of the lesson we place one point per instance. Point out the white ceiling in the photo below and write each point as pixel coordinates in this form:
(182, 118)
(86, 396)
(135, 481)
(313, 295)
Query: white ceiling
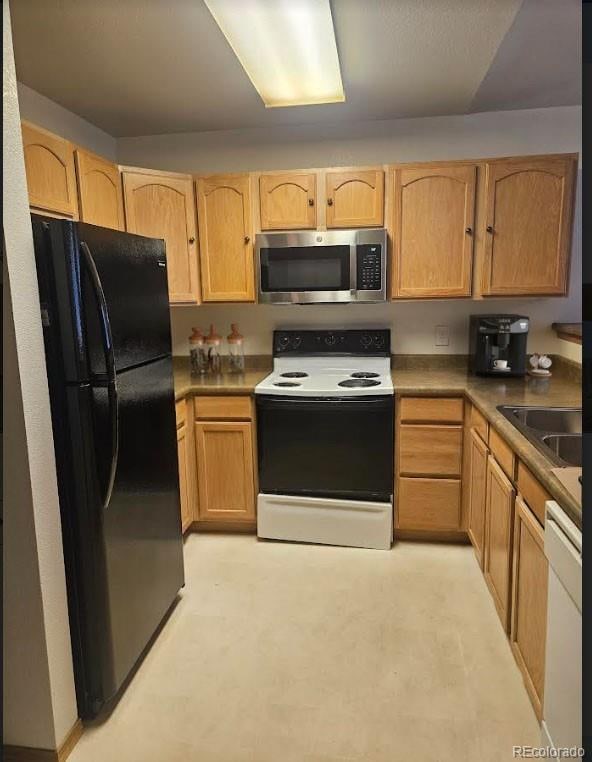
(140, 67)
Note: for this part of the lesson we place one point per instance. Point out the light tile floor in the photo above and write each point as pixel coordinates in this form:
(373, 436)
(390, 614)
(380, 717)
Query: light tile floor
(280, 652)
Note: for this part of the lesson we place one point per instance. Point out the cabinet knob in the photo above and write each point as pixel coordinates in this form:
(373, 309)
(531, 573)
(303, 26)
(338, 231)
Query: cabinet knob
(192, 240)
(311, 201)
(469, 231)
(247, 239)
(489, 229)
(329, 202)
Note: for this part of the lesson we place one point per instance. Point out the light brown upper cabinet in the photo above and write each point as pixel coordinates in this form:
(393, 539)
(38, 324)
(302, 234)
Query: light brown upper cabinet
(49, 164)
(528, 222)
(161, 205)
(355, 199)
(288, 201)
(99, 191)
(224, 216)
(434, 210)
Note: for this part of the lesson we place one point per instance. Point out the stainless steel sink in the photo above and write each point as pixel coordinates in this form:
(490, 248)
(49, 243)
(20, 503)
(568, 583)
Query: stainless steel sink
(568, 447)
(560, 420)
(555, 431)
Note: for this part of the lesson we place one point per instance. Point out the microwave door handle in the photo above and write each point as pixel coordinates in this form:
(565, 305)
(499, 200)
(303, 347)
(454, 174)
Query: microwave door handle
(353, 268)
(109, 364)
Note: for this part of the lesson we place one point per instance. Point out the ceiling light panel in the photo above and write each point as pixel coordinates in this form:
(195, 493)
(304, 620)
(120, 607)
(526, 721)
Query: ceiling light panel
(286, 47)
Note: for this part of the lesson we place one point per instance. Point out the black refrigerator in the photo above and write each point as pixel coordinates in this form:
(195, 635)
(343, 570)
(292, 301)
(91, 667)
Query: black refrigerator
(106, 324)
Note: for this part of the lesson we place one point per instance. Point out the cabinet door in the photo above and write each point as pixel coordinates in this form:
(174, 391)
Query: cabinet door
(49, 164)
(430, 450)
(99, 191)
(161, 205)
(498, 532)
(528, 225)
(477, 493)
(529, 602)
(288, 202)
(184, 477)
(433, 231)
(355, 199)
(224, 215)
(429, 504)
(224, 453)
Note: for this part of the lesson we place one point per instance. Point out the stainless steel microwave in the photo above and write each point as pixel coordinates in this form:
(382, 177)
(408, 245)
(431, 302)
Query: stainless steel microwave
(311, 266)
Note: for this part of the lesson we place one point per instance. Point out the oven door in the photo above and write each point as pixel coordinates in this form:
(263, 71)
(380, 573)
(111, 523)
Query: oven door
(293, 269)
(336, 448)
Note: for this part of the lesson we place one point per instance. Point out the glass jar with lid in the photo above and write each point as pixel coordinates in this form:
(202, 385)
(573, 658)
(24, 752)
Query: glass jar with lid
(236, 352)
(198, 356)
(213, 343)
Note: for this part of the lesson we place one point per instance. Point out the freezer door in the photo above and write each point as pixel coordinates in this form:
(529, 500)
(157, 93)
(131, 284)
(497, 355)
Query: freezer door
(141, 516)
(130, 277)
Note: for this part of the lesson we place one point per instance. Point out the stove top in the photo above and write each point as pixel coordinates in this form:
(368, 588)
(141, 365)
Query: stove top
(329, 364)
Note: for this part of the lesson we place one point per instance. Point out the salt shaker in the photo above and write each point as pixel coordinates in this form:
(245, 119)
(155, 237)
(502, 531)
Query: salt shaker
(236, 352)
(198, 357)
(213, 341)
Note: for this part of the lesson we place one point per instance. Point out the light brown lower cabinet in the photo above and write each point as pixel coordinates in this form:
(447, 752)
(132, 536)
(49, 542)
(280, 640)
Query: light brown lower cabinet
(428, 466)
(430, 450)
(429, 504)
(529, 602)
(184, 477)
(478, 452)
(499, 516)
(225, 470)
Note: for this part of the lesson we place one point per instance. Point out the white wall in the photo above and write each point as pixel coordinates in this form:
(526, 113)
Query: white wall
(39, 699)
(454, 137)
(40, 110)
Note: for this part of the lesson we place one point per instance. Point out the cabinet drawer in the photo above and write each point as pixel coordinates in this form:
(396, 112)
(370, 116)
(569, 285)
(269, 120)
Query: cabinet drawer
(180, 412)
(432, 409)
(479, 423)
(223, 408)
(503, 453)
(533, 493)
(428, 504)
(430, 450)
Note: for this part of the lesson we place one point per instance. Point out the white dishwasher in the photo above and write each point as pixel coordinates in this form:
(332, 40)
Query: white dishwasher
(562, 710)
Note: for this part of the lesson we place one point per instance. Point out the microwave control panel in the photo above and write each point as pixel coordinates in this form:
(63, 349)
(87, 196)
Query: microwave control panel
(369, 275)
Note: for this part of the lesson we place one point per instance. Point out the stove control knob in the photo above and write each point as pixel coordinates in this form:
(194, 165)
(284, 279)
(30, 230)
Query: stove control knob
(330, 340)
(378, 341)
(284, 342)
(296, 342)
(366, 340)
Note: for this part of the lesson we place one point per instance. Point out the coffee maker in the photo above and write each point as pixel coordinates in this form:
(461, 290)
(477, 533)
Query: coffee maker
(497, 345)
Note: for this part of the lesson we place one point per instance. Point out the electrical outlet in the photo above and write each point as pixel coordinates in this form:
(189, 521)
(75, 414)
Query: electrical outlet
(442, 336)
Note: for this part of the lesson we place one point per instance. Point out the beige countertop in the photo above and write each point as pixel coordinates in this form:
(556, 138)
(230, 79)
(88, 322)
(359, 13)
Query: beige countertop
(225, 383)
(485, 393)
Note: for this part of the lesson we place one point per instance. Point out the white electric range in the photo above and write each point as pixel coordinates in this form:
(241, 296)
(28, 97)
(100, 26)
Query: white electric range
(325, 439)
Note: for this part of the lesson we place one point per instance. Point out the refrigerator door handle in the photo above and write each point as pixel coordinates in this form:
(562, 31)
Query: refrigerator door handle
(109, 364)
